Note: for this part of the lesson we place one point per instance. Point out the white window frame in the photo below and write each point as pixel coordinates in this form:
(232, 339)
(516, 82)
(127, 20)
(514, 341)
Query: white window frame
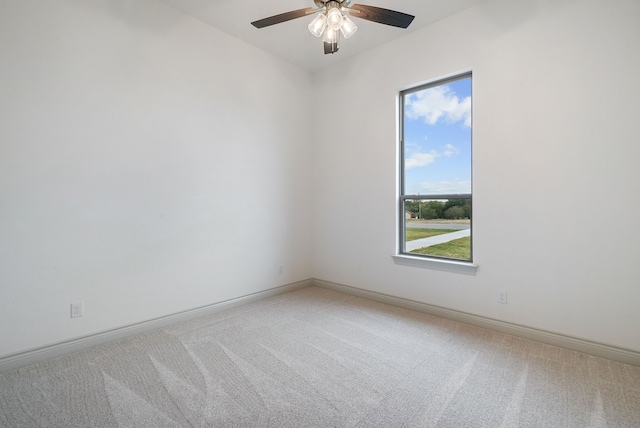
(403, 257)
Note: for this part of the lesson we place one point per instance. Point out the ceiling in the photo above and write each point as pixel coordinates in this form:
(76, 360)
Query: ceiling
(292, 41)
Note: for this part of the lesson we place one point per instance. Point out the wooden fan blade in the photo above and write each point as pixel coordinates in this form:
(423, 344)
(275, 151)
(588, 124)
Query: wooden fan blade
(283, 17)
(382, 16)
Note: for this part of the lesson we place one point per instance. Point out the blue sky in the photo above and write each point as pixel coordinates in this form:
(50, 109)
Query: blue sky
(437, 135)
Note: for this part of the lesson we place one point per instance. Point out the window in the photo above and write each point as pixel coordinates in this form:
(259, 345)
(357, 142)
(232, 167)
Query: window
(435, 203)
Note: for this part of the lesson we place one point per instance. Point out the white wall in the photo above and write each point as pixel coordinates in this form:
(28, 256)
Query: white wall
(149, 164)
(556, 179)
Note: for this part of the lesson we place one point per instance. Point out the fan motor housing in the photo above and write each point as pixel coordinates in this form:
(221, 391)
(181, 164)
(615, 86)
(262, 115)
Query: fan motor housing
(322, 3)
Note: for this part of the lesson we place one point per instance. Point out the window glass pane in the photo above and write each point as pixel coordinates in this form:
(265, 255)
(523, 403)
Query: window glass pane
(438, 228)
(437, 140)
(435, 200)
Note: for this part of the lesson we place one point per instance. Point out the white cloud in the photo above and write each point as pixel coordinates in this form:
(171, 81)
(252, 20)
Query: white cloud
(438, 103)
(420, 159)
(450, 150)
(446, 187)
(416, 158)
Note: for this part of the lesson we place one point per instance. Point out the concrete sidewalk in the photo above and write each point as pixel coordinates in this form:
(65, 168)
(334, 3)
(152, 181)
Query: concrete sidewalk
(438, 239)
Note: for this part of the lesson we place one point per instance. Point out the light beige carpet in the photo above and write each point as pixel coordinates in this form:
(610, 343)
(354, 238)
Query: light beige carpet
(318, 358)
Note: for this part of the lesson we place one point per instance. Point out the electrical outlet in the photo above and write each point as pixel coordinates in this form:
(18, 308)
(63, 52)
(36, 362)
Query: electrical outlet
(77, 309)
(502, 297)
(280, 270)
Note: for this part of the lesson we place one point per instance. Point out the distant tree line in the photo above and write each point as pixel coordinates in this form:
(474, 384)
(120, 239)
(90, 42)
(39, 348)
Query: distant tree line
(452, 209)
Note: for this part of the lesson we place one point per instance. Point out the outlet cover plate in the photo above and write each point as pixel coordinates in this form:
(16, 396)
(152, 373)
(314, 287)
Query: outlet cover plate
(502, 297)
(77, 309)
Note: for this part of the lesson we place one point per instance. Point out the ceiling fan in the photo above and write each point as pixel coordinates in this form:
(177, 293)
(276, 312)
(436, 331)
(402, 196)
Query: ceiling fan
(332, 20)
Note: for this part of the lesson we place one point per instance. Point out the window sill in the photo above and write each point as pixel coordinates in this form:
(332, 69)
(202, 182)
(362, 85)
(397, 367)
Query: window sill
(438, 264)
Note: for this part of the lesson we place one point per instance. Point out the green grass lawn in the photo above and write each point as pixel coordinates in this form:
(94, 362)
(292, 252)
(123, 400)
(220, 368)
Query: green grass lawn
(419, 233)
(456, 249)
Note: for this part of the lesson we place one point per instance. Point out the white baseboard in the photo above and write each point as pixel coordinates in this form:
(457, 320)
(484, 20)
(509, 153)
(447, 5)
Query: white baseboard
(35, 355)
(31, 356)
(581, 345)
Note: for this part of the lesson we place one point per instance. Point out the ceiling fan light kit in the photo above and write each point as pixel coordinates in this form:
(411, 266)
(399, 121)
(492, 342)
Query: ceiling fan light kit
(348, 27)
(319, 23)
(332, 20)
